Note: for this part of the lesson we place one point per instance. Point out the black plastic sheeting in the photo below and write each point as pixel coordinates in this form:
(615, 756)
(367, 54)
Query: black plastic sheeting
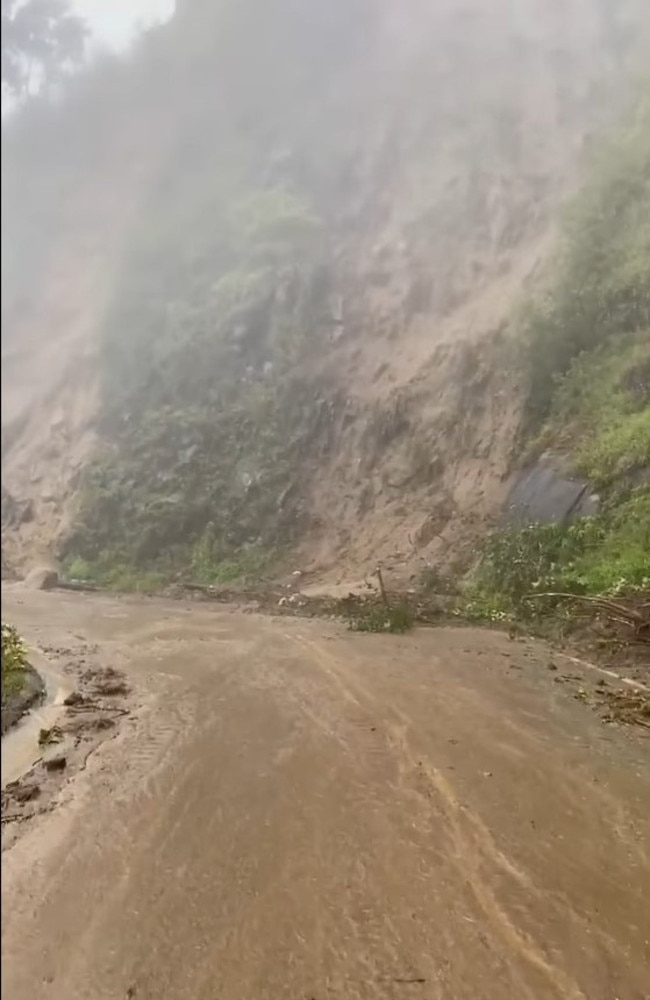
(549, 493)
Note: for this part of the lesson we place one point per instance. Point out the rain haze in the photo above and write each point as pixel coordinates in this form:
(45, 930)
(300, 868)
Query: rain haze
(325, 500)
(115, 22)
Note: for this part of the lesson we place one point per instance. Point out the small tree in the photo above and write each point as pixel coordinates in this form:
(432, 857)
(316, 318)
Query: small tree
(41, 39)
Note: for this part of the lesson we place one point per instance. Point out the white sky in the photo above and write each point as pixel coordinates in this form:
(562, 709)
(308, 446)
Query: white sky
(113, 22)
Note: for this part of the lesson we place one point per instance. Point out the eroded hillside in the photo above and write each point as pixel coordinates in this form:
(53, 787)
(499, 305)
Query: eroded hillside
(264, 296)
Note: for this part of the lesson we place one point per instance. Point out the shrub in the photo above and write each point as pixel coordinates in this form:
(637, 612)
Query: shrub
(14, 660)
(594, 556)
(382, 618)
(620, 447)
(211, 567)
(601, 285)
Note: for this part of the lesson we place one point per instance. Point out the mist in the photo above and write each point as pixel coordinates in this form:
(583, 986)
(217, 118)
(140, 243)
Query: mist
(325, 499)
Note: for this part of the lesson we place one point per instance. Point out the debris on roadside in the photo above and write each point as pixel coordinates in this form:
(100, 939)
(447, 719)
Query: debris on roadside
(89, 712)
(631, 707)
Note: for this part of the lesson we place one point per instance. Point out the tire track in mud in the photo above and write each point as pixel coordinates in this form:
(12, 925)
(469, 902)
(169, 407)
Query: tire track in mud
(160, 731)
(473, 843)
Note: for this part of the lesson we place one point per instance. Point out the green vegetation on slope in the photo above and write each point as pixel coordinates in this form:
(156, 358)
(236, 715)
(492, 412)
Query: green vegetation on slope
(601, 411)
(231, 469)
(600, 287)
(257, 157)
(211, 428)
(588, 361)
(607, 554)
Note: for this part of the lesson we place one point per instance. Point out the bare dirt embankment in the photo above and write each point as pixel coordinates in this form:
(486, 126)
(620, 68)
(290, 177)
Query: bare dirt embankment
(297, 810)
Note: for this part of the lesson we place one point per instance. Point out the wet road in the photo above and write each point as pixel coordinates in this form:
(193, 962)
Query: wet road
(296, 811)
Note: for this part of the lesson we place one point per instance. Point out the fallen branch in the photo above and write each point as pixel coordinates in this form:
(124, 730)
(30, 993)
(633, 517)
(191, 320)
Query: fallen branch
(604, 602)
(382, 588)
(615, 611)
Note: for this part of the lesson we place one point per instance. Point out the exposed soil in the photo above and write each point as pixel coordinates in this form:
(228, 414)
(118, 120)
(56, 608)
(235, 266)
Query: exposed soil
(86, 700)
(295, 810)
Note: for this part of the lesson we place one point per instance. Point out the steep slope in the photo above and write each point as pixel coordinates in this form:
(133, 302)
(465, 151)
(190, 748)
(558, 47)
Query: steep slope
(50, 367)
(278, 304)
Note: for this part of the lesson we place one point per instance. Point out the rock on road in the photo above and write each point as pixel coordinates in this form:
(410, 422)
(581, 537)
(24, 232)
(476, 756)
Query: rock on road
(297, 811)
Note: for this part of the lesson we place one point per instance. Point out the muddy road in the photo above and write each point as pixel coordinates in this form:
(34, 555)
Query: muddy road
(293, 810)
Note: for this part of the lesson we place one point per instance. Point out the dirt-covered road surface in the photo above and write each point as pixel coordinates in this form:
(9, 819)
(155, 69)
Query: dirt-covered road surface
(295, 811)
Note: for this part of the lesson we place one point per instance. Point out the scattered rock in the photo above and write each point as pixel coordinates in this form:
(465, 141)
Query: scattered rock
(24, 791)
(84, 724)
(47, 736)
(103, 722)
(55, 762)
(629, 707)
(111, 688)
(42, 579)
(108, 682)
(74, 698)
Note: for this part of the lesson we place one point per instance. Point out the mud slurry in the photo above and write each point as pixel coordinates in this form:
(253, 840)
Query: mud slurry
(98, 699)
(294, 810)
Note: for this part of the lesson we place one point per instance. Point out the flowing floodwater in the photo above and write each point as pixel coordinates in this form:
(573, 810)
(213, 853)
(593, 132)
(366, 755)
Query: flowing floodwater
(287, 809)
(20, 745)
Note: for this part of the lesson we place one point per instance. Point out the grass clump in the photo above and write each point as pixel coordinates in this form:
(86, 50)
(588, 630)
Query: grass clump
(600, 289)
(621, 447)
(382, 618)
(205, 563)
(14, 661)
(601, 410)
(433, 581)
(113, 574)
(597, 556)
(213, 568)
